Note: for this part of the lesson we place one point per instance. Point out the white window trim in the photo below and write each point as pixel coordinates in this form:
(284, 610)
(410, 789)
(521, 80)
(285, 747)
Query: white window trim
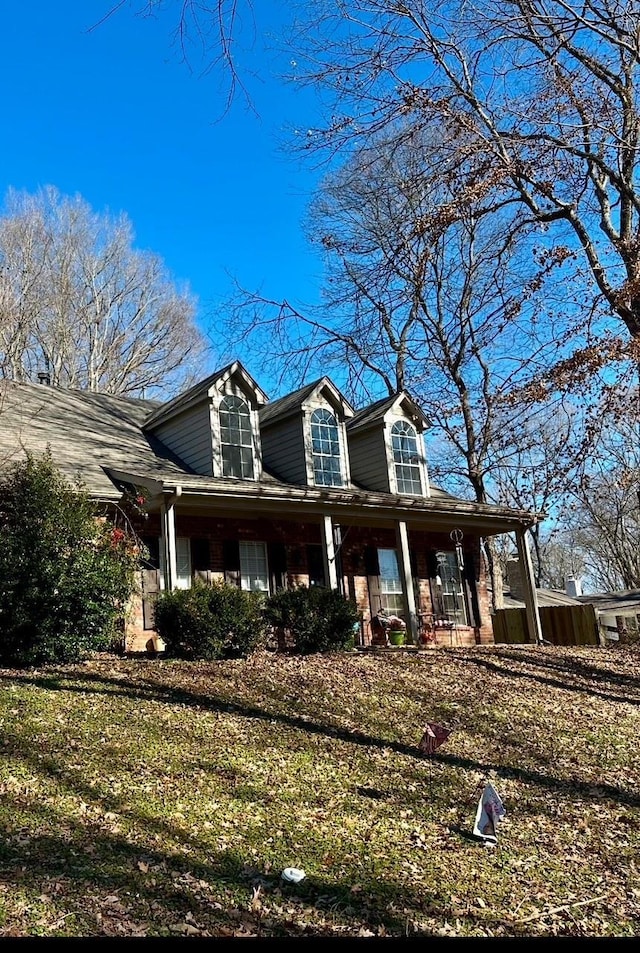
(216, 436)
(245, 570)
(345, 472)
(183, 580)
(391, 463)
(398, 594)
(457, 591)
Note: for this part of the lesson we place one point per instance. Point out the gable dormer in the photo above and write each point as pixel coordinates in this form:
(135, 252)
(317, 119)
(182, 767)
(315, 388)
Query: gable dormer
(303, 436)
(386, 446)
(214, 426)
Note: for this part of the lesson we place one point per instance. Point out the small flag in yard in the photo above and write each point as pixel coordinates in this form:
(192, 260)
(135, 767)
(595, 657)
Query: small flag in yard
(489, 814)
(433, 737)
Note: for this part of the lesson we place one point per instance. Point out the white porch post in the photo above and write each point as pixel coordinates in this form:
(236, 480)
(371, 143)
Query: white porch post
(168, 524)
(531, 599)
(402, 537)
(329, 552)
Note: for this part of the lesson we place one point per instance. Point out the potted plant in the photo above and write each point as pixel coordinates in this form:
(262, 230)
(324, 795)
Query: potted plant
(397, 630)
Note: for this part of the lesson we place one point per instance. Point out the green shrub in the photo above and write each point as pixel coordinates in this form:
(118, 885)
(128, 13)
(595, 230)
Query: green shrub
(316, 619)
(210, 622)
(65, 576)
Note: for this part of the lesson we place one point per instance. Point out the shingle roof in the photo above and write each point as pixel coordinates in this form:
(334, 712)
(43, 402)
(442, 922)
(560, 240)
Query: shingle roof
(199, 391)
(621, 602)
(86, 433)
(284, 406)
(93, 435)
(546, 597)
(375, 412)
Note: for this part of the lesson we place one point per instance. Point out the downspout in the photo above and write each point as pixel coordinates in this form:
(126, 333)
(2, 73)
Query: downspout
(168, 523)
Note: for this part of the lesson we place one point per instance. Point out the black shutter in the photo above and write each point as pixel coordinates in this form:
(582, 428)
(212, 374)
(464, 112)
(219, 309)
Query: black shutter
(413, 560)
(200, 554)
(471, 588)
(432, 563)
(371, 565)
(231, 561)
(469, 568)
(277, 558)
(315, 566)
(372, 569)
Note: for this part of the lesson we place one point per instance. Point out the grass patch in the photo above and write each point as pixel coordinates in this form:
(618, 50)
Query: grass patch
(149, 797)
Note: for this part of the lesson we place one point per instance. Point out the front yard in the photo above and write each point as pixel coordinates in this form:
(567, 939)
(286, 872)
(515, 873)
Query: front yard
(153, 797)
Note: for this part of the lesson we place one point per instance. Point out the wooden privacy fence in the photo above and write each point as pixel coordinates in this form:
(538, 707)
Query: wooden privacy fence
(561, 625)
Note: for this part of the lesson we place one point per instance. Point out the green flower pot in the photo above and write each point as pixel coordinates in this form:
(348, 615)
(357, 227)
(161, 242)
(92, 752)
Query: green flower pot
(396, 638)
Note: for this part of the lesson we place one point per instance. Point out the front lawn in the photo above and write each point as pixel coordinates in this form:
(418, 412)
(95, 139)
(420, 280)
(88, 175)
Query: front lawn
(163, 798)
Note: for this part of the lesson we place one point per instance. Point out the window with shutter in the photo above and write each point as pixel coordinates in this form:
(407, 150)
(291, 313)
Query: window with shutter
(183, 563)
(390, 582)
(254, 570)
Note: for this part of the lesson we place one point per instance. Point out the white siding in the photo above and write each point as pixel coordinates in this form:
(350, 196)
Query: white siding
(369, 461)
(189, 436)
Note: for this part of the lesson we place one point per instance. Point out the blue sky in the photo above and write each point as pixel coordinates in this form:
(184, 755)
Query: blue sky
(112, 114)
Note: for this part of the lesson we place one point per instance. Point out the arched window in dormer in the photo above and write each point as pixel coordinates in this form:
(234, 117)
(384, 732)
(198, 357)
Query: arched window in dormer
(406, 458)
(325, 446)
(236, 438)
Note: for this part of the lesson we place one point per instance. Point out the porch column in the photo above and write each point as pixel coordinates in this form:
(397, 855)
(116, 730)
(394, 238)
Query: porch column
(329, 552)
(531, 599)
(168, 524)
(402, 537)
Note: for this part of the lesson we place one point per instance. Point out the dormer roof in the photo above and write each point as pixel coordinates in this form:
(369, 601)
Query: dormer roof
(377, 412)
(323, 388)
(206, 389)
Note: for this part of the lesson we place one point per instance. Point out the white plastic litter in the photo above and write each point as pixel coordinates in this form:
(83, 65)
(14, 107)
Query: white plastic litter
(293, 875)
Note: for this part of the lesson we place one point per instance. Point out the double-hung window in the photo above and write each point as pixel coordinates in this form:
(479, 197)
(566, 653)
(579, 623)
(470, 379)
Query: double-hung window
(254, 569)
(325, 445)
(391, 593)
(450, 596)
(183, 563)
(406, 458)
(236, 438)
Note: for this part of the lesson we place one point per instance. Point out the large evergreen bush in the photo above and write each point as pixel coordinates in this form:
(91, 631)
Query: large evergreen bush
(315, 619)
(210, 622)
(65, 575)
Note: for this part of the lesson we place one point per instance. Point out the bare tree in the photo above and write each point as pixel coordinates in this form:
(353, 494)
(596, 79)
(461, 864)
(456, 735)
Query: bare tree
(541, 95)
(77, 300)
(542, 473)
(544, 94)
(207, 35)
(605, 518)
(562, 559)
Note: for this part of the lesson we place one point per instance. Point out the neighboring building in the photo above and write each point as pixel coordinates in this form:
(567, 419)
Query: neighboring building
(514, 594)
(271, 494)
(618, 613)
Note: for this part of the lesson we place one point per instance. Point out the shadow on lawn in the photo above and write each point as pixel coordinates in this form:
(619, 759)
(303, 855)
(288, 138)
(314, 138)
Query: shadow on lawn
(577, 677)
(111, 885)
(149, 690)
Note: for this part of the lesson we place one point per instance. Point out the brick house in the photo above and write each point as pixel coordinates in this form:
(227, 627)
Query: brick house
(266, 494)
